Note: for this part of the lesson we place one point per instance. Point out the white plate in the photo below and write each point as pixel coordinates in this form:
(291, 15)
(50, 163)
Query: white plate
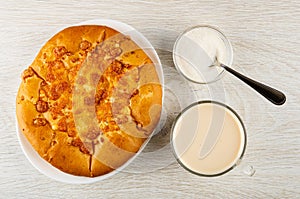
(46, 168)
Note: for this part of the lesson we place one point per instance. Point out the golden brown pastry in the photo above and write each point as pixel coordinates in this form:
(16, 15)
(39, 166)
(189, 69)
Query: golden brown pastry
(89, 100)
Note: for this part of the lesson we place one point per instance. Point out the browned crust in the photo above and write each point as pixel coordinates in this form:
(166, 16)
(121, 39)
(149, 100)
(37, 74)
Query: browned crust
(44, 101)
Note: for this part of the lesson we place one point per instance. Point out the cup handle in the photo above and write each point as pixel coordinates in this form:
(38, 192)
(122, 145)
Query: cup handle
(246, 168)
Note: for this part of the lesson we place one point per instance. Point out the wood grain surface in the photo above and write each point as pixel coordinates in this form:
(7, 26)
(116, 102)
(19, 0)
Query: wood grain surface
(265, 36)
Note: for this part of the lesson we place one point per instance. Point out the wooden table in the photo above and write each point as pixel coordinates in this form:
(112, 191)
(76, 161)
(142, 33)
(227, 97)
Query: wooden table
(265, 36)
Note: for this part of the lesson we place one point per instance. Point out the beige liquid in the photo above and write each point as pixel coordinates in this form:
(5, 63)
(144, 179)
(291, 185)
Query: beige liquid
(208, 139)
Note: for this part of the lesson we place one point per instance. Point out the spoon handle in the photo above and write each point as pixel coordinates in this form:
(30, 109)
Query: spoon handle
(273, 95)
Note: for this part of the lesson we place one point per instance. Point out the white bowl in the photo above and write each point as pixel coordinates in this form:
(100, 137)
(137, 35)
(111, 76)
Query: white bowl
(45, 167)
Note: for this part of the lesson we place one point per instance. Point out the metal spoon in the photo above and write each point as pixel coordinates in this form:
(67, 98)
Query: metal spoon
(273, 95)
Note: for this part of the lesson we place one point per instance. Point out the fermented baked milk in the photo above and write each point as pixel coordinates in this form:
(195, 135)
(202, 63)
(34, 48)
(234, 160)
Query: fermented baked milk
(208, 139)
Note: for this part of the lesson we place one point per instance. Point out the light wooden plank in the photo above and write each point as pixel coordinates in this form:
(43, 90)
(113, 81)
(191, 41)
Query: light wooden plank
(266, 40)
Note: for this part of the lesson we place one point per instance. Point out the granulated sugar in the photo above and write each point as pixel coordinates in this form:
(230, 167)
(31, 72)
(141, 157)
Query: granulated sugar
(197, 49)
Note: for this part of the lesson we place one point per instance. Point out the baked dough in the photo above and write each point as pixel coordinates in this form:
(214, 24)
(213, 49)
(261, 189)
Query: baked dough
(89, 100)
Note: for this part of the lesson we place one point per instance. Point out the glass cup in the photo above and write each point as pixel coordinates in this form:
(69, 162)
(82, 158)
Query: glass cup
(209, 139)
